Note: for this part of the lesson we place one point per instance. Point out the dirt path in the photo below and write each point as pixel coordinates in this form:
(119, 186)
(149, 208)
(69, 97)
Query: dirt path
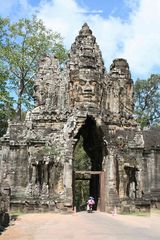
(84, 226)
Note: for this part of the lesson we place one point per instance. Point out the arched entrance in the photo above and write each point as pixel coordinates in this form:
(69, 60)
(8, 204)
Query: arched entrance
(88, 174)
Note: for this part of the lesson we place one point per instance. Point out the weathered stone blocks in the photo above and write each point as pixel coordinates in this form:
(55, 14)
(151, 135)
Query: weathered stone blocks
(80, 101)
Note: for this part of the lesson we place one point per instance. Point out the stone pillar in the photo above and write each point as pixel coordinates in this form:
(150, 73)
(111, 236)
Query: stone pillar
(34, 174)
(112, 191)
(152, 170)
(157, 170)
(106, 166)
(68, 173)
(45, 172)
(139, 174)
(122, 179)
(145, 177)
(4, 162)
(112, 172)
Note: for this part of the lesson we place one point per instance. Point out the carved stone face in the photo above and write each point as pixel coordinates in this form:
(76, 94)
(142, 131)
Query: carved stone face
(85, 93)
(39, 94)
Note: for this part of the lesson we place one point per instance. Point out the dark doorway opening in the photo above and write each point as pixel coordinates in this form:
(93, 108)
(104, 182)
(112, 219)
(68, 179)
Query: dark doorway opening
(88, 156)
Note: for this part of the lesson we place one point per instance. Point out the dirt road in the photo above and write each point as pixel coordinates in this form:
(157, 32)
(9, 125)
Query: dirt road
(82, 226)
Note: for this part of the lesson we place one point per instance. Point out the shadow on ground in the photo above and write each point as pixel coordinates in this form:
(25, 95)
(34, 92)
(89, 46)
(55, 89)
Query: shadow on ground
(4, 221)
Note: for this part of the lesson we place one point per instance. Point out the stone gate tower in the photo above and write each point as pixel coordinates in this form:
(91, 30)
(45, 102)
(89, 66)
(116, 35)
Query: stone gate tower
(81, 101)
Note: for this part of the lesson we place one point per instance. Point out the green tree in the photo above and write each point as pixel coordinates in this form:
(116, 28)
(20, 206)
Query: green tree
(4, 95)
(6, 103)
(23, 44)
(82, 162)
(147, 100)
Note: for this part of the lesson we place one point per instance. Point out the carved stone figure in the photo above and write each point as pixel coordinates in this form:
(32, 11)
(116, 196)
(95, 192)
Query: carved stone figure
(87, 74)
(131, 190)
(81, 104)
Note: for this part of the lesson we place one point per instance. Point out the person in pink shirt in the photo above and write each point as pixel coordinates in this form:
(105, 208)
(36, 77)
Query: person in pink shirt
(90, 204)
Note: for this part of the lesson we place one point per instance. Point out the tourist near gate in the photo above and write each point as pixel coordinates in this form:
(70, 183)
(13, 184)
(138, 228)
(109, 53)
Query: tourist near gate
(80, 175)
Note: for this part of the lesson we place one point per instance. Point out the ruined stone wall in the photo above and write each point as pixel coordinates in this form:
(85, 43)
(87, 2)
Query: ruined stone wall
(121, 88)
(149, 172)
(4, 208)
(123, 165)
(151, 163)
(51, 77)
(82, 100)
(34, 152)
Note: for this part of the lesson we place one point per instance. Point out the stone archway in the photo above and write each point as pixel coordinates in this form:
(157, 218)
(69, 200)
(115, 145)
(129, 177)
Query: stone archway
(89, 159)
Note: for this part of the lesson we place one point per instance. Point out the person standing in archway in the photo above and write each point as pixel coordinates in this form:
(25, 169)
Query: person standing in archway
(90, 204)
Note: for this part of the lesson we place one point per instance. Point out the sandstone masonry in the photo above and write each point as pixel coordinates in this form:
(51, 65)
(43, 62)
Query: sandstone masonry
(82, 100)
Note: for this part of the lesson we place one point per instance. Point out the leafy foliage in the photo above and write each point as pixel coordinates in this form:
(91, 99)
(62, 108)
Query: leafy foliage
(81, 163)
(81, 159)
(147, 100)
(23, 44)
(6, 103)
(6, 111)
(81, 194)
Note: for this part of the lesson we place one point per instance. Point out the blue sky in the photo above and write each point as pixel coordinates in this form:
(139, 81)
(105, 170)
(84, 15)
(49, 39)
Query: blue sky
(107, 8)
(123, 28)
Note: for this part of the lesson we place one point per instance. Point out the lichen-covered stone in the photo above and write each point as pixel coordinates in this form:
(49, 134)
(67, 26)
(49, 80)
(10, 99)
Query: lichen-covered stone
(82, 100)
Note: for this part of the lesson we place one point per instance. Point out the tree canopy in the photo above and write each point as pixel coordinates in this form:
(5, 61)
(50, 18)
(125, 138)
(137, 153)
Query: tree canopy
(22, 45)
(6, 103)
(147, 100)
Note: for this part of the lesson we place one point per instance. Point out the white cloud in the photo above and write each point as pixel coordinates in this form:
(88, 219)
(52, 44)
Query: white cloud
(67, 17)
(15, 9)
(137, 38)
(142, 47)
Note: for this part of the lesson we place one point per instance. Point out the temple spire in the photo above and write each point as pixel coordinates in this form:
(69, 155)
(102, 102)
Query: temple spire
(86, 70)
(85, 30)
